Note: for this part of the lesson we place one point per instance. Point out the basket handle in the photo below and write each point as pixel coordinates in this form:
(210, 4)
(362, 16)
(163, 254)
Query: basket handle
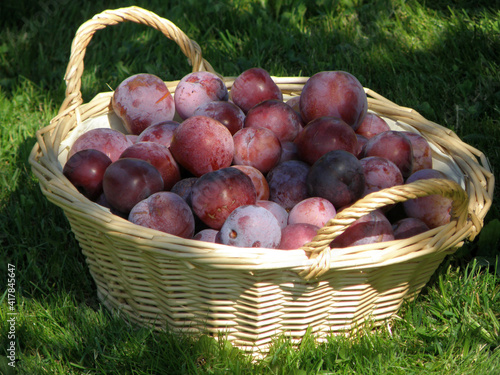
(319, 248)
(135, 14)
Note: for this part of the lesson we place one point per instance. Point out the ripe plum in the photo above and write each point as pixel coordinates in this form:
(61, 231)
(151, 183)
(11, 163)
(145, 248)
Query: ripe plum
(161, 133)
(372, 125)
(253, 86)
(325, 134)
(109, 141)
(433, 210)
(85, 170)
(294, 103)
(196, 89)
(422, 153)
(128, 181)
(392, 145)
(160, 157)
(184, 187)
(294, 236)
(251, 226)
(258, 179)
(201, 144)
(337, 176)
(216, 194)
(370, 228)
(380, 173)
(334, 93)
(279, 212)
(315, 210)
(227, 113)
(408, 227)
(276, 116)
(206, 235)
(164, 211)
(142, 100)
(287, 183)
(257, 147)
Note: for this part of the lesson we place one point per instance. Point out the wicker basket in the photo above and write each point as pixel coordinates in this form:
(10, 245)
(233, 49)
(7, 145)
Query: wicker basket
(253, 295)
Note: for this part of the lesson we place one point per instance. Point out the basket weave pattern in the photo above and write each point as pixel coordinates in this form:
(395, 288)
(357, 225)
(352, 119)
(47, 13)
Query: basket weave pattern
(255, 294)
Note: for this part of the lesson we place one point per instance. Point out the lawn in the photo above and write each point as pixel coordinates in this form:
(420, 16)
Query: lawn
(438, 57)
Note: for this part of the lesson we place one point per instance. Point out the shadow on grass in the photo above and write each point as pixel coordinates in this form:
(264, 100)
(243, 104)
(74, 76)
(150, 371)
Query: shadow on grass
(39, 241)
(473, 7)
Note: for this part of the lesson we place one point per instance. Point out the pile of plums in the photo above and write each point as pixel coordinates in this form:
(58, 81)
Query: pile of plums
(245, 168)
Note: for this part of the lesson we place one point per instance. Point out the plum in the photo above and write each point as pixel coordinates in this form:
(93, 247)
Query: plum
(216, 194)
(276, 116)
(315, 210)
(422, 153)
(164, 211)
(278, 211)
(257, 147)
(227, 113)
(392, 145)
(373, 227)
(294, 236)
(408, 227)
(334, 93)
(196, 89)
(258, 179)
(161, 133)
(287, 183)
(184, 187)
(128, 181)
(160, 157)
(322, 135)
(206, 235)
(294, 103)
(338, 177)
(253, 86)
(372, 125)
(433, 210)
(142, 100)
(201, 144)
(85, 170)
(380, 173)
(362, 140)
(251, 226)
(109, 141)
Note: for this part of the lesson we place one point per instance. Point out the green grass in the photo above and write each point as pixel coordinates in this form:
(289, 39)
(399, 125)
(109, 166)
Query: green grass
(438, 57)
